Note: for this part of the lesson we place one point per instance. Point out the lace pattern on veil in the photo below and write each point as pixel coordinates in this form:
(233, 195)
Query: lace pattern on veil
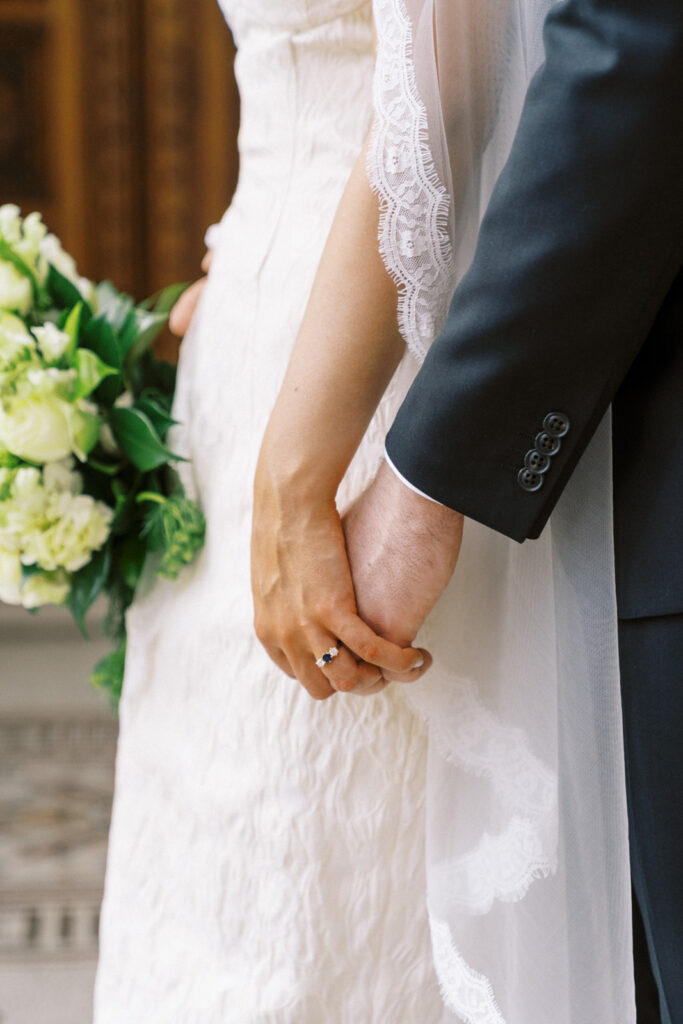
(414, 240)
(527, 834)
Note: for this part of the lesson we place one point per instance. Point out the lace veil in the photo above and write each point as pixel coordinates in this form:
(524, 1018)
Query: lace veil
(528, 882)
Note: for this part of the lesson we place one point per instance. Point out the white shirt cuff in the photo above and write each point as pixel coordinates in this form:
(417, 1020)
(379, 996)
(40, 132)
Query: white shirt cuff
(408, 483)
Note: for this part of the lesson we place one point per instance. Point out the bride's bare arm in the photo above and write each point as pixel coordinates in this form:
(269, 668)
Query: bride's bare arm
(344, 355)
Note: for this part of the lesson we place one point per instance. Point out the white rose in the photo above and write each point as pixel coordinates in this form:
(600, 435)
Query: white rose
(36, 428)
(16, 292)
(53, 342)
(16, 341)
(45, 588)
(10, 577)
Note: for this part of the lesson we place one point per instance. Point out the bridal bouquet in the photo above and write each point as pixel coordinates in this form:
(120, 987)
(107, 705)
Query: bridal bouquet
(86, 488)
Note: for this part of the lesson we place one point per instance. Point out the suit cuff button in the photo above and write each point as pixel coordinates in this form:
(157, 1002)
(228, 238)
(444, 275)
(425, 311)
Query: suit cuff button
(536, 462)
(546, 444)
(528, 480)
(556, 424)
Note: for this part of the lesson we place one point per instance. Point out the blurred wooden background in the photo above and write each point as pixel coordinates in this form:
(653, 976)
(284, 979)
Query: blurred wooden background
(118, 121)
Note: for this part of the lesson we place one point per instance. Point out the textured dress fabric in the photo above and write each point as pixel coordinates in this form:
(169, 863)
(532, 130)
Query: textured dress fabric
(266, 853)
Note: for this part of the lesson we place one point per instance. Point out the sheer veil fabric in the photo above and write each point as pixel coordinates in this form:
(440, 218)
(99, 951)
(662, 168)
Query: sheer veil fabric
(528, 880)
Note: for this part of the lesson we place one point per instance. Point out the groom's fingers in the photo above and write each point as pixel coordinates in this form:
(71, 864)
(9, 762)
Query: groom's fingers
(374, 649)
(414, 675)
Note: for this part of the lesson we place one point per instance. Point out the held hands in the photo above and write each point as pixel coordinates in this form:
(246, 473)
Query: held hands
(402, 549)
(304, 599)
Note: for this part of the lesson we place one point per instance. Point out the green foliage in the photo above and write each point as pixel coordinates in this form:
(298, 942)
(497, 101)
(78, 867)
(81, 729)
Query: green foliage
(176, 527)
(91, 370)
(111, 349)
(62, 292)
(136, 436)
(86, 584)
(108, 673)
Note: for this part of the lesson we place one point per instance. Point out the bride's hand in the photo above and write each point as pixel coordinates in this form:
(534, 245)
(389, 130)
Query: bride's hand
(304, 600)
(183, 310)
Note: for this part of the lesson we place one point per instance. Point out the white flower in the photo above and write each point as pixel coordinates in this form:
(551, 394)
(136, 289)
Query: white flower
(33, 231)
(37, 428)
(61, 476)
(45, 588)
(16, 292)
(76, 526)
(16, 341)
(10, 222)
(10, 577)
(39, 423)
(53, 342)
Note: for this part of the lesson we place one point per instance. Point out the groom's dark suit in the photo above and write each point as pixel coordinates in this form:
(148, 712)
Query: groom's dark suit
(575, 300)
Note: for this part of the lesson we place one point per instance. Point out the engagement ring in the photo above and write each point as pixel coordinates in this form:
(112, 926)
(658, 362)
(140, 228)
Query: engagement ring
(327, 657)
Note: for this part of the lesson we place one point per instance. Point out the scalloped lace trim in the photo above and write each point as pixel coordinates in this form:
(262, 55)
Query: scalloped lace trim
(414, 204)
(501, 867)
(464, 990)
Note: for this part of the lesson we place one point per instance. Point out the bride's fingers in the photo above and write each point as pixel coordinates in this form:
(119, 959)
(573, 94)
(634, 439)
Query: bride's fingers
(309, 675)
(343, 671)
(276, 655)
(373, 649)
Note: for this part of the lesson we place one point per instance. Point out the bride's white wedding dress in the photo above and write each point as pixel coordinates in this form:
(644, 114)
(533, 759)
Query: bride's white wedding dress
(266, 854)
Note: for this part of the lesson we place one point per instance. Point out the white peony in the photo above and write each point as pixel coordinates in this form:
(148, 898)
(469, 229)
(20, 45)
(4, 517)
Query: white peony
(45, 588)
(16, 292)
(53, 342)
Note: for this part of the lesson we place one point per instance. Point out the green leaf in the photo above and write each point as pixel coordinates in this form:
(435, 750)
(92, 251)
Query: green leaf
(157, 414)
(139, 333)
(100, 338)
(63, 291)
(136, 436)
(163, 301)
(108, 673)
(91, 370)
(131, 555)
(72, 327)
(86, 584)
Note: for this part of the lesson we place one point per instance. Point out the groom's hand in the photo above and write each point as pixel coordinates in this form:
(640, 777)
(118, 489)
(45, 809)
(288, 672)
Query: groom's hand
(402, 550)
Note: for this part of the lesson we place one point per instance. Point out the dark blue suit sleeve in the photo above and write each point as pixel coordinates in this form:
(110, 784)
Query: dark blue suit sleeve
(581, 240)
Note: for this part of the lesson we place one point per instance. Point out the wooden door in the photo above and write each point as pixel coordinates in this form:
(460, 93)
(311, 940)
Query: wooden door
(118, 121)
